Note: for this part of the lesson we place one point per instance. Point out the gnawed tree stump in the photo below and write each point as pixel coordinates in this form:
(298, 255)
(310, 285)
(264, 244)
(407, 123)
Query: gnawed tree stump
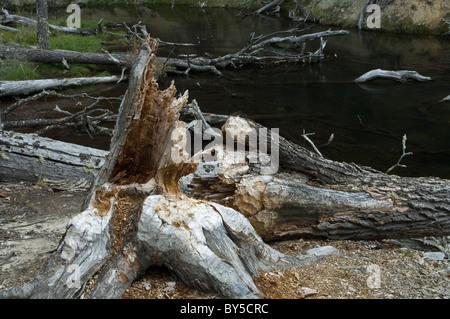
(137, 216)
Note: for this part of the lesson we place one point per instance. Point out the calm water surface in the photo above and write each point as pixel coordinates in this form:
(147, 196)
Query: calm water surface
(367, 120)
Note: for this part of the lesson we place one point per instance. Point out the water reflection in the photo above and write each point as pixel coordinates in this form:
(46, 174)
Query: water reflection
(368, 120)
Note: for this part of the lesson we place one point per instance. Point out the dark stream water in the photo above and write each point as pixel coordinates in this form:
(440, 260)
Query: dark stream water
(368, 121)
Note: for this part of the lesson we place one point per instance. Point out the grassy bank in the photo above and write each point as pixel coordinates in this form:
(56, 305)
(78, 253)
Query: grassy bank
(18, 69)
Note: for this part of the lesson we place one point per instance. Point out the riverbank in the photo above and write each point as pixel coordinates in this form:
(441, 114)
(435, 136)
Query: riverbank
(34, 219)
(415, 16)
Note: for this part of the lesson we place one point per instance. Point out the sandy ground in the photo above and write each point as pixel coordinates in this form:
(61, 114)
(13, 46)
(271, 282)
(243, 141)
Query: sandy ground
(32, 221)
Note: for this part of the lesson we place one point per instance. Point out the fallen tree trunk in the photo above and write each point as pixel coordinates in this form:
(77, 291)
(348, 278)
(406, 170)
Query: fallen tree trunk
(32, 158)
(400, 76)
(261, 50)
(8, 88)
(8, 51)
(315, 197)
(139, 216)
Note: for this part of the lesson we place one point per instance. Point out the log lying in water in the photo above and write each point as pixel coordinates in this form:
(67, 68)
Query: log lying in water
(27, 157)
(400, 76)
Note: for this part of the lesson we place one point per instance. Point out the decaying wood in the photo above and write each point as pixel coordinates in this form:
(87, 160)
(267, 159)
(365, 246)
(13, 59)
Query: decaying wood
(400, 76)
(8, 88)
(32, 158)
(211, 233)
(8, 51)
(88, 119)
(268, 6)
(137, 215)
(6, 28)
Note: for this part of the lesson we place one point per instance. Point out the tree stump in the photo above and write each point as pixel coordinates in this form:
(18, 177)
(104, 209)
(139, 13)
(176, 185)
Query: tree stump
(137, 215)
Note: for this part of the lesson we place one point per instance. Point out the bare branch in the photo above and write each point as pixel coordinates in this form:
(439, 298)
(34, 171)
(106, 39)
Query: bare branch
(401, 157)
(305, 136)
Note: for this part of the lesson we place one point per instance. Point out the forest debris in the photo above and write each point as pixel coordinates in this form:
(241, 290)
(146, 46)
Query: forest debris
(400, 76)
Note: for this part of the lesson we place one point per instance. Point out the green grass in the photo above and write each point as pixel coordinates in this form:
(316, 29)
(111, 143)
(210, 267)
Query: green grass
(73, 42)
(25, 37)
(15, 70)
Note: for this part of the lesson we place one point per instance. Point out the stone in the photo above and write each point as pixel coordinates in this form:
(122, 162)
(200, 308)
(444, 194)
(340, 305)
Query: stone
(324, 251)
(434, 255)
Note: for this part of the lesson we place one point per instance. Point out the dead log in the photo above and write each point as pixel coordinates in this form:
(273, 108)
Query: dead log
(268, 6)
(8, 51)
(400, 76)
(261, 50)
(32, 158)
(139, 217)
(311, 196)
(8, 88)
(447, 98)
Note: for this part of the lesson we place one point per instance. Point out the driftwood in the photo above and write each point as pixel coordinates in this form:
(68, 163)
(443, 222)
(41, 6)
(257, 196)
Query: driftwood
(447, 98)
(400, 76)
(260, 50)
(137, 215)
(32, 158)
(12, 18)
(8, 88)
(268, 6)
(315, 197)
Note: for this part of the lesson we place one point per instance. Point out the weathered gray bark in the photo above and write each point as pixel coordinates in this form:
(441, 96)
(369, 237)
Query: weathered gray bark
(32, 158)
(12, 18)
(8, 88)
(43, 40)
(268, 6)
(138, 216)
(400, 76)
(8, 51)
(315, 197)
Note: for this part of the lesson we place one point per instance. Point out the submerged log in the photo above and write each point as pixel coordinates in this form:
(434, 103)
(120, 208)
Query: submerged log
(32, 158)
